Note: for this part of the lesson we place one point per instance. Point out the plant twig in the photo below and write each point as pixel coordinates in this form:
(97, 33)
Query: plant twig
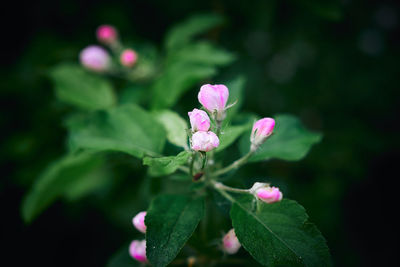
(236, 164)
(219, 185)
(192, 163)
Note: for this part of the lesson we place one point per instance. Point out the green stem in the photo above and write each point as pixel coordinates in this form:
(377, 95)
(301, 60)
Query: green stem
(116, 47)
(192, 163)
(225, 194)
(204, 159)
(236, 164)
(218, 185)
(218, 126)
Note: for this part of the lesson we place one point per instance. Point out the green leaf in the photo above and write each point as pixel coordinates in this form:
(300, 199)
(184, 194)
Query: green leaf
(279, 234)
(203, 53)
(230, 134)
(290, 141)
(171, 220)
(126, 128)
(182, 33)
(166, 165)
(185, 69)
(63, 177)
(122, 259)
(75, 86)
(175, 80)
(187, 63)
(134, 94)
(175, 127)
(236, 95)
(97, 180)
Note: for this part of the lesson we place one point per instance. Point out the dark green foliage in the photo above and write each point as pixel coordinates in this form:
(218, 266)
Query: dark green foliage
(82, 89)
(188, 62)
(71, 177)
(166, 165)
(182, 33)
(127, 128)
(175, 126)
(289, 141)
(121, 258)
(279, 233)
(171, 220)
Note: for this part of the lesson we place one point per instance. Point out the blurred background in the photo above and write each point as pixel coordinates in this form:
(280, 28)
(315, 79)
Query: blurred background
(334, 64)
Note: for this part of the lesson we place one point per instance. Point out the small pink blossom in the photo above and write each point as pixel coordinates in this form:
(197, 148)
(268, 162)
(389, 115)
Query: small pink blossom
(230, 242)
(214, 99)
(138, 221)
(269, 194)
(199, 120)
(137, 250)
(106, 34)
(204, 141)
(128, 58)
(262, 129)
(95, 58)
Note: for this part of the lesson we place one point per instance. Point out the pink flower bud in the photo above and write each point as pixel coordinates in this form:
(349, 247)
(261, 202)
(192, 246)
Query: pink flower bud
(137, 250)
(230, 242)
(269, 194)
(261, 130)
(199, 120)
(106, 34)
(128, 58)
(204, 141)
(138, 221)
(95, 58)
(214, 98)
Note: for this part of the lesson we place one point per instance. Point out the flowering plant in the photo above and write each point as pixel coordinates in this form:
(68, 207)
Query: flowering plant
(139, 121)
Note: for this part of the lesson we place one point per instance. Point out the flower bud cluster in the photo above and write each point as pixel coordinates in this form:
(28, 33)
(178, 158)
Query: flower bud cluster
(204, 141)
(137, 248)
(199, 120)
(128, 58)
(214, 99)
(95, 58)
(107, 34)
(266, 193)
(230, 243)
(138, 221)
(262, 129)
(98, 59)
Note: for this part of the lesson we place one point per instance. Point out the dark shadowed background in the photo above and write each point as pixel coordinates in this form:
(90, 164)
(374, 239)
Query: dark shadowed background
(335, 64)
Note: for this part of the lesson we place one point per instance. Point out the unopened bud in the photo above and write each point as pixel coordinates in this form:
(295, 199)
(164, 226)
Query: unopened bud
(199, 120)
(230, 242)
(266, 193)
(214, 98)
(95, 58)
(137, 250)
(204, 141)
(138, 221)
(106, 34)
(262, 129)
(128, 58)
